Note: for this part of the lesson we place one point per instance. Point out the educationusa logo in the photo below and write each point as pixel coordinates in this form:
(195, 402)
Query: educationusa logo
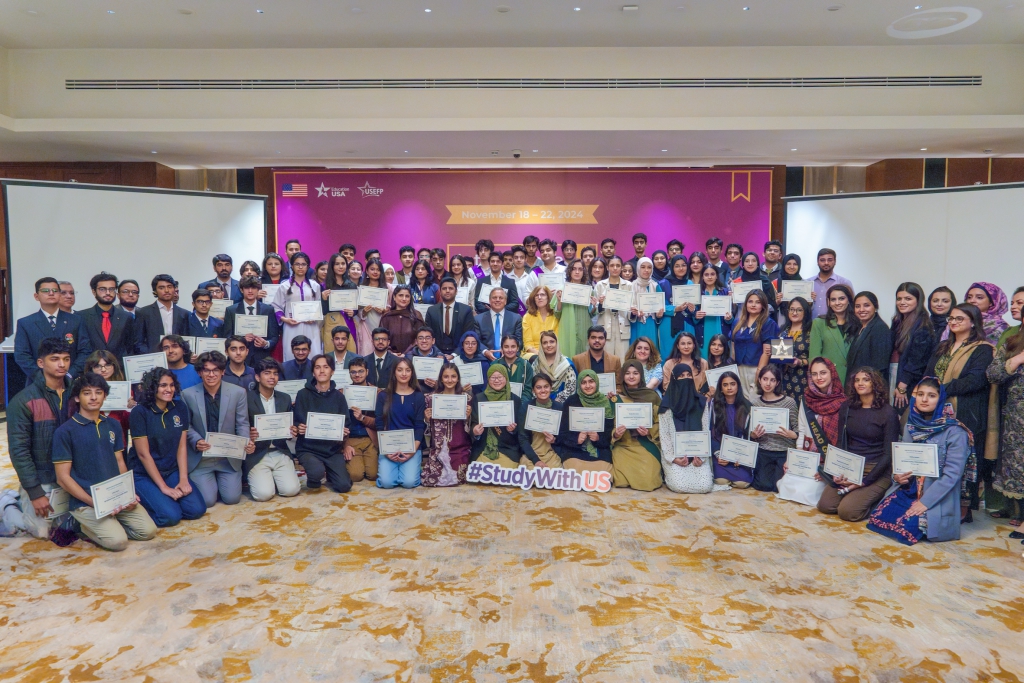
(324, 191)
(369, 190)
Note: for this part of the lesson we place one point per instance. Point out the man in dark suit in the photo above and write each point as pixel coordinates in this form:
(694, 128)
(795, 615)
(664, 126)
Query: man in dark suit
(496, 278)
(449, 320)
(160, 318)
(50, 321)
(223, 266)
(200, 322)
(109, 328)
(381, 362)
(497, 323)
(128, 297)
(259, 347)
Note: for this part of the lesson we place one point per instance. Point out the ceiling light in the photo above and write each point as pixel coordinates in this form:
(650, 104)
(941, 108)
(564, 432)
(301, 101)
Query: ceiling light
(537, 150)
(664, 150)
(630, 8)
(503, 8)
(918, 6)
(259, 11)
(793, 150)
(576, 9)
(987, 151)
(428, 10)
(746, 9)
(32, 12)
(153, 152)
(110, 11)
(924, 149)
(406, 151)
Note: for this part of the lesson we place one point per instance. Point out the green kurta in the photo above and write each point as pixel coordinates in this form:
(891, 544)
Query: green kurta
(573, 323)
(831, 343)
(636, 460)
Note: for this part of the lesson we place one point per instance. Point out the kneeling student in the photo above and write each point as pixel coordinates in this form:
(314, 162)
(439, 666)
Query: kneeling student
(322, 456)
(362, 435)
(88, 449)
(499, 445)
(269, 467)
(538, 447)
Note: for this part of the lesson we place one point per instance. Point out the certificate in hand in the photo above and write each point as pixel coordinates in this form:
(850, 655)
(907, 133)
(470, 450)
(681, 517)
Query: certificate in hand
(606, 383)
(204, 344)
(427, 367)
(496, 413)
(713, 374)
(117, 397)
(191, 341)
(218, 307)
(685, 294)
(60, 501)
(271, 291)
(373, 296)
(306, 311)
(618, 299)
(273, 426)
(586, 419)
(462, 295)
(920, 459)
(693, 444)
(291, 387)
(113, 493)
(484, 296)
(577, 294)
(741, 289)
(325, 426)
(739, 451)
(801, 463)
(633, 415)
(225, 446)
(471, 373)
(840, 463)
(715, 305)
(543, 420)
(517, 388)
(782, 348)
(553, 281)
(341, 378)
(650, 302)
(770, 418)
(797, 288)
(422, 309)
(251, 324)
(448, 406)
(136, 366)
(363, 398)
(396, 441)
(343, 300)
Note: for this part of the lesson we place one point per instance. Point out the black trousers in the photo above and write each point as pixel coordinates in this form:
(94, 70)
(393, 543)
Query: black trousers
(334, 467)
(768, 470)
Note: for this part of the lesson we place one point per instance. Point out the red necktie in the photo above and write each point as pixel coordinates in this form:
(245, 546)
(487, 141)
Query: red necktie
(105, 326)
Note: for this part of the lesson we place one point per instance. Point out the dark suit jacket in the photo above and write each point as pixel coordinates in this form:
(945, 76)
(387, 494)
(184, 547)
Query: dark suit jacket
(122, 331)
(236, 293)
(149, 326)
(282, 404)
(32, 329)
(381, 381)
(256, 354)
(291, 370)
(213, 327)
(511, 293)
(511, 323)
(462, 322)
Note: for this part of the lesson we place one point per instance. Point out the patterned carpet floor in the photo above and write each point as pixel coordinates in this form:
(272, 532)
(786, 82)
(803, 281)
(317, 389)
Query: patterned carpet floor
(487, 584)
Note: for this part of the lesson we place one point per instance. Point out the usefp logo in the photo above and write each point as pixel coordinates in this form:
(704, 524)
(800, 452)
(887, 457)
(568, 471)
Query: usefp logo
(552, 478)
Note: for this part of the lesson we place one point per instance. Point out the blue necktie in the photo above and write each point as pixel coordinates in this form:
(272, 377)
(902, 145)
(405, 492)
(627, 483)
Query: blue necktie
(497, 332)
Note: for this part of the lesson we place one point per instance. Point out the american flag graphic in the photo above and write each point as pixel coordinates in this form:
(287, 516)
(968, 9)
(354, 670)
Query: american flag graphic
(294, 190)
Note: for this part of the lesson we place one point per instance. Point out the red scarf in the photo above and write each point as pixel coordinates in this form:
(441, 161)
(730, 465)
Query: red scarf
(826, 406)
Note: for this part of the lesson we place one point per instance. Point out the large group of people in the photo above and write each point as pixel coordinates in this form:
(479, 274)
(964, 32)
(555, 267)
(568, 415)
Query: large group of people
(637, 365)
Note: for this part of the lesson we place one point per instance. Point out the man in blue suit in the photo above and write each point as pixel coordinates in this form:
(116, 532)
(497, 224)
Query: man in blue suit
(259, 347)
(497, 323)
(223, 266)
(50, 321)
(200, 322)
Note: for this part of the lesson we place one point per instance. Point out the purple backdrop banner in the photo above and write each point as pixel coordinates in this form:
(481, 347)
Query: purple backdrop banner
(454, 209)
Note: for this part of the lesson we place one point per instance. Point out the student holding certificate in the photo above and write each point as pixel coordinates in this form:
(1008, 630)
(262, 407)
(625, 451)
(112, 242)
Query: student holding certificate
(656, 325)
(773, 447)
(297, 289)
(750, 336)
(401, 406)
(728, 414)
(574, 319)
(682, 410)
(470, 350)
(425, 348)
(614, 319)
(106, 365)
(88, 451)
(705, 327)
(499, 445)
(818, 428)
(362, 426)
(449, 438)
(928, 507)
(636, 457)
(587, 450)
(797, 329)
(269, 469)
(368, 317)
(520, 371)
(539, 318)
(322, 457)
(402, 321)
(537, 445)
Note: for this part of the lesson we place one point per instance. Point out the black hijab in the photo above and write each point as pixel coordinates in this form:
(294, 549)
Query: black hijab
(787, 259)
(671, 278)
(756, 276)
(683, 401)
(659, 273)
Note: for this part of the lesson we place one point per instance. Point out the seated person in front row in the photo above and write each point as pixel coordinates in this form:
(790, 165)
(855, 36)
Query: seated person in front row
(728, 414)
(424, 348)
(238, 371)
(583, 451)
(269, 468)
(450, 443)
(322, 457)
(362, 436)
(537, 447)
(401, 406)
(88, 449)
(636, 456)
(682, 410)
(499, 445)
(299, 366)
(179, 360)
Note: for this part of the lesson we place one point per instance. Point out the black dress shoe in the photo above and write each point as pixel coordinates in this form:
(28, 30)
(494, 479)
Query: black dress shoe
(968, 518)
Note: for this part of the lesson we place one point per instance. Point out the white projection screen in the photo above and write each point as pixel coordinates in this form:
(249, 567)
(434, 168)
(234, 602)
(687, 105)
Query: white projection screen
(73, 231)
(951, 237)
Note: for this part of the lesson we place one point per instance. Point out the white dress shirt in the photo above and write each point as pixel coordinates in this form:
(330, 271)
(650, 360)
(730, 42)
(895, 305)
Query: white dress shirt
(167, 316)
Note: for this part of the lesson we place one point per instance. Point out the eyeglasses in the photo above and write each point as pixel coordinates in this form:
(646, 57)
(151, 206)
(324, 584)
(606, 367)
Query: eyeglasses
(129, 292)
(48, 290)
(111, 290)
(210, 371)
(957, 319)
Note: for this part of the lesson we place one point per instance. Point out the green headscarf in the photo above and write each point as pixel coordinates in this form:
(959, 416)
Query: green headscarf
(597, 399)
(491, 440)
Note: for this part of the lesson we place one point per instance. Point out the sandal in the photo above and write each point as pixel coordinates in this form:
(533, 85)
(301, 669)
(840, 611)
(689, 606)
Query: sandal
(999, 514)
(1014, 522)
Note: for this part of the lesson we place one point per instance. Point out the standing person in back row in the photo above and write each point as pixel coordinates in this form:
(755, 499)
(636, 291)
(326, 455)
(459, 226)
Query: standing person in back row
(49, 322)
(298, 288)
(222, 265)
(109, 328)
(824, 280)
(162, 317)
(260, 347)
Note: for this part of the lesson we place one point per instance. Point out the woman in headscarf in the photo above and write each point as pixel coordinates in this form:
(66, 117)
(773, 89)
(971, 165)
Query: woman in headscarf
(940, 302)
(615, 323)
(790, 271)
(470, 351)
(559, 369)
(682, 410)
(705, 327)
(450, 443)
(582, 451)
(912, 342)
(498, 445)
(870, 343)
(686, 351)
(728, 414)
(337, 267)
(752, 272)
(818, 428)
(928, 507)
(574, 319)
(1006, 371)
(402, 321)
(991, 301)
(520, 371)
(678, 275)
(636, 457)
(659, 260)
(658, 325)
(389, 275)
(538, 447)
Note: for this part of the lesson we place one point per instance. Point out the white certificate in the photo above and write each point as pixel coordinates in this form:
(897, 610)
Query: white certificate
(191, 341)
(606, 383)
(715, 305)
(204, 344)
(633, 415)
(586, 419)
(770, 418)
(373, 296)
(739, 451)
(741, 289)
(422, 309)
(325, 426)
(496, 413)
(553, 281)
(543, 420)
(396, 441)
(792, 289)
(517, 388)
(448, 406)
(306, 311)
(113, 493)
(650, 302)
(712, 374)
(685, 294)
(136, 366)
(920, 459)
(801, 463)
(845, 464)
(577, 294)
(343, 300)
(462, 295)
(485, 293)
(291, 387)
(60, 501)
(271, 291)
(273, 426)
(225, 446)
(341, 378)
(427, 367)
(693, 444)
(117, 397)
(218, 307)
(251, 324)
(472, 374)
(363, 398)
(618, 299)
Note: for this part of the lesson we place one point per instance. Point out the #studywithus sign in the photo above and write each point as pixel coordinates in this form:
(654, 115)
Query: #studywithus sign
(553, 478)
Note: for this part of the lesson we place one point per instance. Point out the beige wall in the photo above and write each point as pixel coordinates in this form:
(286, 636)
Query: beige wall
(4, 81)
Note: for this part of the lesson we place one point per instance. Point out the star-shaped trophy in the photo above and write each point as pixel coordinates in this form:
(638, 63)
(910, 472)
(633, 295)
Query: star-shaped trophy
(782, 349)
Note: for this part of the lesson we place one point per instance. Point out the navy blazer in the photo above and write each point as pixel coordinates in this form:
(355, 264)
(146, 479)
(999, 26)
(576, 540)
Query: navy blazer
(291, 370)
(195, 327)
(122, 340)
(511, 323)
(462, 322)
(149, 326)
(236, 293)
(381, 381)
(256, 354)
(33, 329)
